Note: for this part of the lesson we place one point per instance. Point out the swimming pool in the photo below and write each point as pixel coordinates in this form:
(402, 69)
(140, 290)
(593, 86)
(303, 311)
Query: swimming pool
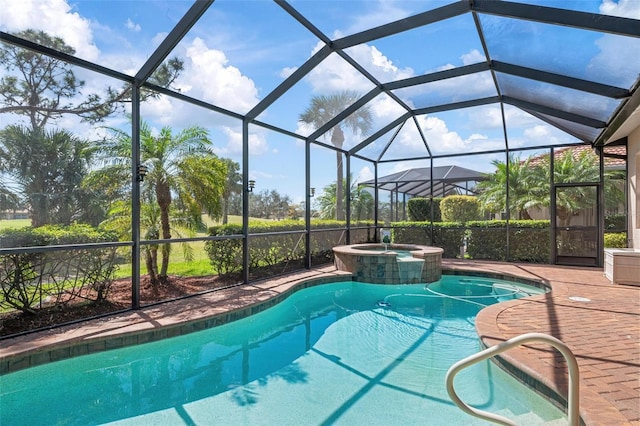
(344, 353)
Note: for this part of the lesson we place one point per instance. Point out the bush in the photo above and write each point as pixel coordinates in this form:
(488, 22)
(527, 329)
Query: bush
(225, 255)
(460, 208)
(447, 235)
(529, 240)
(61, 276)
(419, 209)
(615, 222)
(281, 245)
(615, 240)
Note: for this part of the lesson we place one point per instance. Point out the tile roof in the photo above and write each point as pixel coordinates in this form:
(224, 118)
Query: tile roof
(579, 149)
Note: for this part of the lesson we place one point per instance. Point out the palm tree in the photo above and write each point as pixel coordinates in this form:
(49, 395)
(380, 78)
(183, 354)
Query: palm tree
(362, 202)
(48, 167)
(233, 185)
(567, 168)
(528, 187)
(181, 168)
(324, 108)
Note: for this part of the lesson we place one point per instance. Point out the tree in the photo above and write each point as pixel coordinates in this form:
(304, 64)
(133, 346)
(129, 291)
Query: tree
(48, 168)
(181, 168)
(528, 187)
(529, 184)
(269, 204)
(42, 88)
(233, 185)
(362, 202)
(567, 168)
(8, 199)
(324, 108)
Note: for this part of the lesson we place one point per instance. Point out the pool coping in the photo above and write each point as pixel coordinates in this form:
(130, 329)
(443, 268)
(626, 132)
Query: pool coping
(215, 308)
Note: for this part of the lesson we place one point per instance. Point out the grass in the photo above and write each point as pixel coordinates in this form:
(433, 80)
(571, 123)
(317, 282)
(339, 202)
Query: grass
(178, 264)
(14, 224)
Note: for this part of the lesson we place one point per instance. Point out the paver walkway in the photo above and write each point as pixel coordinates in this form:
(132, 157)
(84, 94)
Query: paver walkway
(599, 321)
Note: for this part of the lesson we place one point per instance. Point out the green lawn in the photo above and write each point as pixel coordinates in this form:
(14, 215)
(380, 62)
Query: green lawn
(178, 265)
(14, 223)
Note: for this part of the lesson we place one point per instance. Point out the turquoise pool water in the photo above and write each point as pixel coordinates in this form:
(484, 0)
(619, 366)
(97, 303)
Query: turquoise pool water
(345, 353)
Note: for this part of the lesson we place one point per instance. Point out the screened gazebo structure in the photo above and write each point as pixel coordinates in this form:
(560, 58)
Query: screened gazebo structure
(427, 183)
(308, 99)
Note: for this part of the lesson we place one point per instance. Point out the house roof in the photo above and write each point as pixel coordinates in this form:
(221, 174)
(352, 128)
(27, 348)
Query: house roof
(614, 156)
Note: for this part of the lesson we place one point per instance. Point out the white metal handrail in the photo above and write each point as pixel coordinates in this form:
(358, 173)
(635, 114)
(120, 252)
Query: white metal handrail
(574, 377)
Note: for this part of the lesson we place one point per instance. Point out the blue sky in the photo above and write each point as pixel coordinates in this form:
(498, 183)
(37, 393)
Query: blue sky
(241, 50)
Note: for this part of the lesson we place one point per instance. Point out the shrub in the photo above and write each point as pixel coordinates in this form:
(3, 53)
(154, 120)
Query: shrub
(60, 276)
(419, 209)
(615, 222)
(528, 240)
(615, 240)
(447, 235)
(460, 208)
(225, 255)
(280, 244)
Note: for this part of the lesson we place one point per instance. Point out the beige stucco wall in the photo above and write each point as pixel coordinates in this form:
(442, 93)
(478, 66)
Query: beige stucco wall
(633, 158)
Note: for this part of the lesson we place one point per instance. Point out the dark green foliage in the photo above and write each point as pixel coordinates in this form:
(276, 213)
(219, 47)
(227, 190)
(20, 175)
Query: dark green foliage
(48, 168)
(528, 240)
(460, 208)
(447, 235)
(615, 222)
(225, 255)
(419, 209)
(28, 278)
(278, 253)
(615, 240)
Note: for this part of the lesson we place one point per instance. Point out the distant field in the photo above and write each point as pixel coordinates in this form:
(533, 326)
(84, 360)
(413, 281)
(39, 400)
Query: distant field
(15, 223)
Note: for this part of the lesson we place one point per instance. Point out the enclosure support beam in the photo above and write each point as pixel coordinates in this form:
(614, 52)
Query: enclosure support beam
(135, 197)
(245, 201)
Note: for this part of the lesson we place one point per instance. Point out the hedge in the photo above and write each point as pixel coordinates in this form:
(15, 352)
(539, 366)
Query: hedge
(28, 280)
(447, 235)
(285, 249)
(419, 209)
(615, 240)
(460, 208)
(529, 240)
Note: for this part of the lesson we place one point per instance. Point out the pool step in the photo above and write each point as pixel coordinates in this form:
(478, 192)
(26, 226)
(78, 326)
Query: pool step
(531, 418)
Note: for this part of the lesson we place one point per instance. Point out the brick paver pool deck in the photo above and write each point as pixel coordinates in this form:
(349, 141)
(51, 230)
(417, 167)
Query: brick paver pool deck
(598, 320)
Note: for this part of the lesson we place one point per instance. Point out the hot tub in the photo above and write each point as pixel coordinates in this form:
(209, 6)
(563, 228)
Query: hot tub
(390, 263)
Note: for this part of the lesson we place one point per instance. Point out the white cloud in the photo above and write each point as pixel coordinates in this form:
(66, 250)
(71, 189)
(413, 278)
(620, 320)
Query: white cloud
(473, 57)
(54, 17)
(208, 76)
(364, 175)
(257, 143)
(624, 8)
(287, 71)
(334, 74)
(477, 137)
(133, 26)
(386, 109)
(537, 132)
